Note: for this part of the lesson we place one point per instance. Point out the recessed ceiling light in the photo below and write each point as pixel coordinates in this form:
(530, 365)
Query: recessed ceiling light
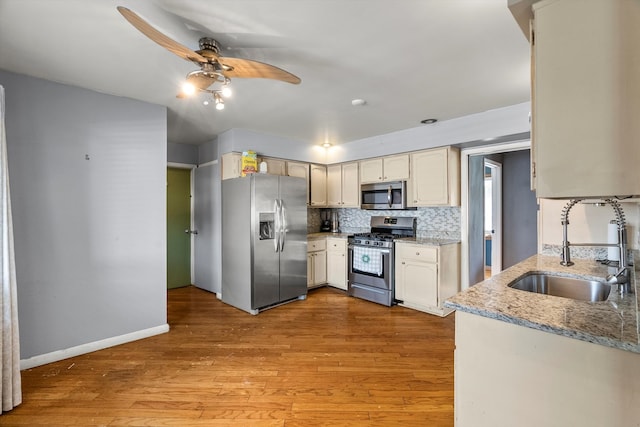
(358, 102)
(326, 145)
(428, 121)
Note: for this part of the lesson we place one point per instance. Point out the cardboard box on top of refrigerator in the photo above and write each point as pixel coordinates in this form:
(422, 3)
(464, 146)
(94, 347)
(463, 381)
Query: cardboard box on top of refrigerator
(249, 162)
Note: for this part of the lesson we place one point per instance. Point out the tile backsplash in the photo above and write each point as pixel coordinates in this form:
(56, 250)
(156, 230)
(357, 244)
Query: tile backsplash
(434, 222)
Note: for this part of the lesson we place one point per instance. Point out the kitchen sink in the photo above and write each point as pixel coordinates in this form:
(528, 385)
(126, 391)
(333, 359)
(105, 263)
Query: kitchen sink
(566, 287)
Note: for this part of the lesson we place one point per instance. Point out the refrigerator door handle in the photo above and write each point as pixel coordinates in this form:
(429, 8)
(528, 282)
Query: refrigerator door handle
(276, 220)
(283, 224)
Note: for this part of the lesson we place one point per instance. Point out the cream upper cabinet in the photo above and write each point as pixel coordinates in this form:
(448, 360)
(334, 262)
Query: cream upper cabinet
(318, 183)
(426, 276)
(337, 262)
(301, 170)
(350, 185)
(231, 165)
(334, 186)
(274, 166)
(396, 168)
(586, 98)
(371, 171)
(435, 178)
(390, 168)
(343, 186)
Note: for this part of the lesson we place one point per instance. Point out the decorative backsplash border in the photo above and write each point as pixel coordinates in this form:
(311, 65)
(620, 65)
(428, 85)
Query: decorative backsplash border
(433, 222)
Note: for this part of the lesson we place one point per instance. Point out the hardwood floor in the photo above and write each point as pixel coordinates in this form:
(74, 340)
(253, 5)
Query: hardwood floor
(331, 360)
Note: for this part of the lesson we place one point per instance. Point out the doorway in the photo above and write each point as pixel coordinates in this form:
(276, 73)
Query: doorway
(178, 227)
(518, 214)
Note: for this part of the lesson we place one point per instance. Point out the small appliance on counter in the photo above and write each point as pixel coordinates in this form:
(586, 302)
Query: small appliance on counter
(326, 223)
(335, 225)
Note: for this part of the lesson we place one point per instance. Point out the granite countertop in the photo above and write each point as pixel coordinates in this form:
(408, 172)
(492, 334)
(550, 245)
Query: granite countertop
(428, 241)
(322, 234)
(613, 323)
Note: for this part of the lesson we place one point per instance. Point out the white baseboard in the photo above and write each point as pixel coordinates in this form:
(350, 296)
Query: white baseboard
(55, 356)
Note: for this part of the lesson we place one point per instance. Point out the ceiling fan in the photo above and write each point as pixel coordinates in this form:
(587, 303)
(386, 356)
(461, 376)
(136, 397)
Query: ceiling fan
(213, 67)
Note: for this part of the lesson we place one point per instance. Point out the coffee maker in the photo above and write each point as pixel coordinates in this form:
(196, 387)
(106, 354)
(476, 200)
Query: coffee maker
(326, 222)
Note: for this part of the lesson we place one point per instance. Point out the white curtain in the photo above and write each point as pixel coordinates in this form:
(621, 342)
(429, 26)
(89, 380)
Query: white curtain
(10, 383)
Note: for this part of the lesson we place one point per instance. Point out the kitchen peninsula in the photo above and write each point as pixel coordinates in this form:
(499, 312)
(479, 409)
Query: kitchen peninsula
(530, 359)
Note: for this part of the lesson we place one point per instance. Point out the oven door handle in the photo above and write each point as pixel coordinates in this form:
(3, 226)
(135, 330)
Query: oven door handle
(384, 251)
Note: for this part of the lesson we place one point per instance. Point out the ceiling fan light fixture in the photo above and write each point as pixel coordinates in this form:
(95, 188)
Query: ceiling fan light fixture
(219, 101)
(188, 89)
(226, 91)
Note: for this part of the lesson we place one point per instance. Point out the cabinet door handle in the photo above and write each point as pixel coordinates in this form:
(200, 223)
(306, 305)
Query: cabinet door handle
(402, 262)
(417, 253)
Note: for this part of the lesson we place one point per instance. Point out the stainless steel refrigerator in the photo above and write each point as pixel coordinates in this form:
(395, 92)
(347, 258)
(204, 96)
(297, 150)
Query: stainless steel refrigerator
(264, 241)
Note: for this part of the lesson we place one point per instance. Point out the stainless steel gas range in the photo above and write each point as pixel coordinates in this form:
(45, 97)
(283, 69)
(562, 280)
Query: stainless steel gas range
(371, 258)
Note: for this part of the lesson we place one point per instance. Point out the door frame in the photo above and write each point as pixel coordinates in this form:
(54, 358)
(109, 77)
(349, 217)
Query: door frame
(496, 214)
(464, 202)
(191, 167)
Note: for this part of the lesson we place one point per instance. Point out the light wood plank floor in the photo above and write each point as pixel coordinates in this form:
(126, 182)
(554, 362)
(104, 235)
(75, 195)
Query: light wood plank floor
(331, 360)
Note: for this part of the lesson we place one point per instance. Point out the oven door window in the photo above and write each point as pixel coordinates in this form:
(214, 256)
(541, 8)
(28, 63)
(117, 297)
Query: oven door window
(368, 260)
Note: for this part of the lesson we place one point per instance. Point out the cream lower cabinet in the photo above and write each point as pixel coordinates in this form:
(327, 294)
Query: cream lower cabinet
(426, 276)
(337, 262)
(510, 375)
(435, 178)
(316, 262)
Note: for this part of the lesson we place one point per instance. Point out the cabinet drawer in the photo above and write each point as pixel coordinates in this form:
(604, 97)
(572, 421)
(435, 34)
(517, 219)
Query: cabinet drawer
(417, 252)
(316, 245)
(336, 245)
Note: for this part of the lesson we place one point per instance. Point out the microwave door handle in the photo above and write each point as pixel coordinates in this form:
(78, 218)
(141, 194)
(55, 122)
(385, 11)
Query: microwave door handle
(389, 199)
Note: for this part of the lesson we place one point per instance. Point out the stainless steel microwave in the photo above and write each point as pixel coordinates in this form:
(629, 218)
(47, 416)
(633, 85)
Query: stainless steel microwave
(384, 195)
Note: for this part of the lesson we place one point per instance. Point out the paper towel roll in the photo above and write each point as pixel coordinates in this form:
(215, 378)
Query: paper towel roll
(613, 253)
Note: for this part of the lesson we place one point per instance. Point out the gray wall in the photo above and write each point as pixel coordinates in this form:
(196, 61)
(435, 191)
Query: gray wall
(208, 152)
(88, 176)
(519, 209)
(182, 153)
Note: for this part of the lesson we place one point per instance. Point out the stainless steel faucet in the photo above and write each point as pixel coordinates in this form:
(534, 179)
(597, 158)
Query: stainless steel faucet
(621, 277)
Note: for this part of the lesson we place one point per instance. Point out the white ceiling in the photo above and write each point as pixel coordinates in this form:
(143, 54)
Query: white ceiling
(409, 59)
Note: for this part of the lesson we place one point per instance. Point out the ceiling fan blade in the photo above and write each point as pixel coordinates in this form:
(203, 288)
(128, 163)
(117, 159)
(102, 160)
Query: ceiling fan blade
(171, 45)
(246, 68)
